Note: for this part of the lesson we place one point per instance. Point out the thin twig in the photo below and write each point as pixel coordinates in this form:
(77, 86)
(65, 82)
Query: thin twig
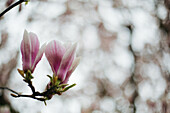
(11, 6)
(132, 78)
(6, 88)
(31, 96)
(20, 95)
(43, 96)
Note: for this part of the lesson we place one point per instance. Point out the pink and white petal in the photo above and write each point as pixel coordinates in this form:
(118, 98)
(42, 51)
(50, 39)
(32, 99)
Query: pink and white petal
(54, 53)
(75, 64)
(72, 68)
(66, 62)
(39, 56)
(34, 46)
(25, 51)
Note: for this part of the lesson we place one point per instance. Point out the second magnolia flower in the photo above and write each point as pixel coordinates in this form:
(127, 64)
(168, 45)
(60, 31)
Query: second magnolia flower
(62, 59)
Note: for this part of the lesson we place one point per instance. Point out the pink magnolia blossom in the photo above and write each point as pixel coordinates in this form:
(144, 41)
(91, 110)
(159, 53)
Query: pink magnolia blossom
(31, 54)
(62, 59)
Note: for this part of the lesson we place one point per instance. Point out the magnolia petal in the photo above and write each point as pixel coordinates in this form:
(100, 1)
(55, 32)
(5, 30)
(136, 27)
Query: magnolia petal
(29, 50)
(54, 53)
(39, 56)
(34, 45)
(75, 64)
(25, 51)
(66, 62)
(72, 68)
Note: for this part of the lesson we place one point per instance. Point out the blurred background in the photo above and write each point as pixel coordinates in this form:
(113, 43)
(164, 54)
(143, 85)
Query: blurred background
(124, 47)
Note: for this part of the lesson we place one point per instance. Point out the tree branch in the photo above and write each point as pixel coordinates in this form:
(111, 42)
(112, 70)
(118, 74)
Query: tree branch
(11, 6)
(41, 96)
(6, 88)
(44, 95)
(16, 94)
(29, 96)
(31, 86)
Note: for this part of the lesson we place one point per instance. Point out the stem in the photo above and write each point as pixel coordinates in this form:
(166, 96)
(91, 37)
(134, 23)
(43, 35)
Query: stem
(11, 6)
(132, 78)
(31, 86)
(5, 88)
(43, 96)
(20, 95)
(50, 91)
(31, 96)
(34, 93)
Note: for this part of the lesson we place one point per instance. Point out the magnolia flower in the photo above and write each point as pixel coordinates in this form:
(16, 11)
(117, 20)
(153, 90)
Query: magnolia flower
(62, 59)
(31, 54)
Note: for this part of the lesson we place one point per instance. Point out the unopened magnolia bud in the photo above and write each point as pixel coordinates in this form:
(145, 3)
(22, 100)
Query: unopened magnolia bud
(26, 1)
(13, 95)
(21, 72)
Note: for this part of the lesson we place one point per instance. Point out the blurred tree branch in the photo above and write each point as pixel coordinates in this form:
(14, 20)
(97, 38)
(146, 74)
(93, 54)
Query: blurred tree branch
(12, 6)
(5, 72)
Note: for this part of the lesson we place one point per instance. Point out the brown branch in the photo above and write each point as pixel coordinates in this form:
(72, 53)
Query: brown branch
(132, 78)
(29, 96)
(20, 95)
(31, 86)
(12, 6)
(44, 95)
(33, 96)
(6, 88)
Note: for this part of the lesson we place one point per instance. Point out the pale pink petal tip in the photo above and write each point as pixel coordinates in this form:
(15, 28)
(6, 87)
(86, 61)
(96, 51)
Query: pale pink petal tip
(72, 68)
(66, 62)
(75, 64)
